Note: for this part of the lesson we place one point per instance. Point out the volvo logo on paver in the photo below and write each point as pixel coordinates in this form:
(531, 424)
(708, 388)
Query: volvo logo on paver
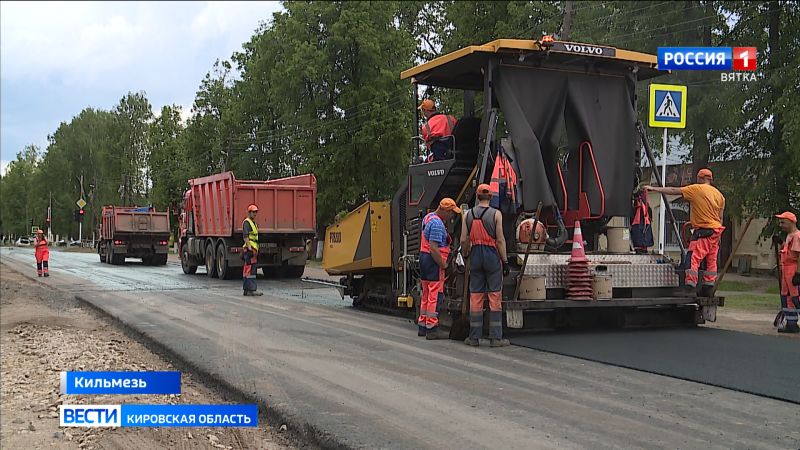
(584, 49)
(436, 173)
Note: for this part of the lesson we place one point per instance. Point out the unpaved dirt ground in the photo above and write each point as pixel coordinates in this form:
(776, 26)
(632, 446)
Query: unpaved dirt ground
(44, 332)
(748, 322)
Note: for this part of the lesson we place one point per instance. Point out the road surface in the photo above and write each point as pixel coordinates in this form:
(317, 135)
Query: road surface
(355, 379)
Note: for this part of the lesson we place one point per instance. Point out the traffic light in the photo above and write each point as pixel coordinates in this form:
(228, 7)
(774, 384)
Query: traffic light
(80, 215)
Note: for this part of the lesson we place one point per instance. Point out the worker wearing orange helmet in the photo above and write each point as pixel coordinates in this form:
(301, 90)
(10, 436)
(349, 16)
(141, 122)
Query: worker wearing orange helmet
(437, 130)
(434, 250)
(482, 239)
(250, 252)
(42, 254)
(707, 204)
(790, 274)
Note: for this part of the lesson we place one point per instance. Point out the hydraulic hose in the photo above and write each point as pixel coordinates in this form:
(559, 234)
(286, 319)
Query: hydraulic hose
(553, 244)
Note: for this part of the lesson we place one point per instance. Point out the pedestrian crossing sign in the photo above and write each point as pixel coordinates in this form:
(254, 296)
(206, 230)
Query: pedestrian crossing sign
(667, 106)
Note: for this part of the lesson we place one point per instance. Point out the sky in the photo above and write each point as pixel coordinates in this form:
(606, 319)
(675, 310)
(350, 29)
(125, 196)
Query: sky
(57, 58)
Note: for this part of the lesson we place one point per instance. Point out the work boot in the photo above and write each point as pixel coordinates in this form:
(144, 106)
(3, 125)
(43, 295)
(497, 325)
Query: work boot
(472, 342)
(434, 334)
(499, 343)
(40, 275)
(790, 328)
(47, 274)
(422, 330)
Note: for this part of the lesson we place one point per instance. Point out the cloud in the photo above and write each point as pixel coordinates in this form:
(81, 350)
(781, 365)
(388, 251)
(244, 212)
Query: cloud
(58, 57)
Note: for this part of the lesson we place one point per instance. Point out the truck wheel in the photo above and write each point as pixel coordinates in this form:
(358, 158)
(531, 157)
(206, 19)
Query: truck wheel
(101, 250)
(223, 269)
(211, 266)
(160, 260)
(294, 271)
(147, 260)
(188, 269)
(116, 259)
(270, 272)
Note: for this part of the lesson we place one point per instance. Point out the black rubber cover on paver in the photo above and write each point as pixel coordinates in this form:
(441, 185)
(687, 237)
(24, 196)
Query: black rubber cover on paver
(763, 365)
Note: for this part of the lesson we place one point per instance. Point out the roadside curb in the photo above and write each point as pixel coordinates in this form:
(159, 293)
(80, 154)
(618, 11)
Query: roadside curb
(299, 430)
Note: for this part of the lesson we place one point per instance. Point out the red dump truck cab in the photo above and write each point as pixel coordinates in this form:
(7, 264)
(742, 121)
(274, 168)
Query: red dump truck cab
(133, 232)
(214, 209)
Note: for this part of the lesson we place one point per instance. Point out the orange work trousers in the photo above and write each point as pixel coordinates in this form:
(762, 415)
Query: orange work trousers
(431, 290)
(704, 248)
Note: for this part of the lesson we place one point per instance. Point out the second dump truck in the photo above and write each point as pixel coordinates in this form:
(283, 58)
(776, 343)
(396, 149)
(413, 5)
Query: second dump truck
(133, 232)
(214, 208)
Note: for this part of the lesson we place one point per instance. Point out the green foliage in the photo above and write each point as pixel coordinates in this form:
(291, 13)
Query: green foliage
(317, 89)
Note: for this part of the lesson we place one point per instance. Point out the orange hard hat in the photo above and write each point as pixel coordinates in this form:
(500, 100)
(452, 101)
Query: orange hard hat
(705, 173)
(483, 189)
(427, 105)
(252, 208)
(788, 216)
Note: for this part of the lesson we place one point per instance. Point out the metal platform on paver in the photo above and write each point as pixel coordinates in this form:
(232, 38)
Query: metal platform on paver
(761, 365)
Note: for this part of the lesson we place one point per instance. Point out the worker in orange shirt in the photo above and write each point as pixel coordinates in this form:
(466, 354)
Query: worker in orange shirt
(437, 130)
(790, 274)
(707, 204)
(42, 254)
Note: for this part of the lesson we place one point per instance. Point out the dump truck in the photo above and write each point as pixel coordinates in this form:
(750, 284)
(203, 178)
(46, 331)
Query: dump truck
(133, 232)
(557, 133)
(214, 208)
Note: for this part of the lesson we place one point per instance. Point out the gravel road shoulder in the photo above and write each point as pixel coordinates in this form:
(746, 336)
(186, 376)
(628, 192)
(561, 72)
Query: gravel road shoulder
(43, 332)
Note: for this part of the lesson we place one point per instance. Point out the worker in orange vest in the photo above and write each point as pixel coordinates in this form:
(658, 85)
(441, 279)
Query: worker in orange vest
(790, 274)
(42, 255)
(437, 131)
(707, 204)
(250, 252)
(434, 250)
(482, 239)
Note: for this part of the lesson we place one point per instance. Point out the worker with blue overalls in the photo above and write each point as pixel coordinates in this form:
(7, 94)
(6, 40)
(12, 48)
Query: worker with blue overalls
(434, 250)
(250, 252)
(482, 240)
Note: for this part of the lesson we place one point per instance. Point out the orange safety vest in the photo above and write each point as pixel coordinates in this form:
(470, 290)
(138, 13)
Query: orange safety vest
(503, 172)
(437, 126)
(425, 246)
(479, 234)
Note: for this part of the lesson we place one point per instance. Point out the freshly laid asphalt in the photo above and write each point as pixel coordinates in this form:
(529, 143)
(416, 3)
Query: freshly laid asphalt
(354, 379)
(762, 365)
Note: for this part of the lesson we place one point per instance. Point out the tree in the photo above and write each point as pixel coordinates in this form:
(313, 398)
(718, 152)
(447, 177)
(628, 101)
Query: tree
(18, 206)
(167, 158)
(133, 114)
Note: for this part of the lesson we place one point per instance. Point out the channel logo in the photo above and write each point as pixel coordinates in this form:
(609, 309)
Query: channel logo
(90, 415)
(707, 58)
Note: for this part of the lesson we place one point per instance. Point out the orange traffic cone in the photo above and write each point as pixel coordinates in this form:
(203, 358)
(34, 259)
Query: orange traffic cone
(579, 280)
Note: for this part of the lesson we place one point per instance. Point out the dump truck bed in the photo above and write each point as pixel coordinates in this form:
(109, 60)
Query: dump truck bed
(121, 221)
(286, 206)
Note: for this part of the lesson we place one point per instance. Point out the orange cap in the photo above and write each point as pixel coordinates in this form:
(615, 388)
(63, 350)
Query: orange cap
(705, 173)
(483, 189)
(252, 208)
(427, 105)
(448, 204)
(788, 216)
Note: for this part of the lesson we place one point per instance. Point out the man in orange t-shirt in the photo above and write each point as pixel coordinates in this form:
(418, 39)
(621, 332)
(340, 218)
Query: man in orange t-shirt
(707, 204)
(790, 274)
